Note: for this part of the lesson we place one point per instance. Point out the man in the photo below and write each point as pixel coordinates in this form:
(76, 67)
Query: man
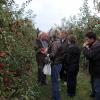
(64, 44)
(42, 45)
(92, 53)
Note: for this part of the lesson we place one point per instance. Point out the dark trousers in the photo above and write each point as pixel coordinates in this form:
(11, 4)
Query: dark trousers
(63, 73)
(97, 88)
(40, 58)
(41, 76)
(71, 83)
(92, 85)
(55, 70)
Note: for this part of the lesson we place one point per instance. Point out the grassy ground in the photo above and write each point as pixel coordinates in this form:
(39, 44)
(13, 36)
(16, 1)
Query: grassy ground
(83, 89)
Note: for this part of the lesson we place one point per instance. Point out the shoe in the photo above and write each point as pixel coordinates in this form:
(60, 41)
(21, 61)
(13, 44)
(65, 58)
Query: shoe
(43, 83)
(59, 79)
(60, 89)
(92, 95)
(65, 83)
(71, 95)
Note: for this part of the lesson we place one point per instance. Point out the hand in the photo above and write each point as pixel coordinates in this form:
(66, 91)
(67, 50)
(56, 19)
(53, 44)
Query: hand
(85, 44)
(46, 49)
(43, 50)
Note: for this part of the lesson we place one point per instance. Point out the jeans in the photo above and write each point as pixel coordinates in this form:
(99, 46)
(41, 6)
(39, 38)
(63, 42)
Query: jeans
(55, 71)
(97, 88)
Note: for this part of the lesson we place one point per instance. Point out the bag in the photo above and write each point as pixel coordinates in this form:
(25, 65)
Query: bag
(47, 69)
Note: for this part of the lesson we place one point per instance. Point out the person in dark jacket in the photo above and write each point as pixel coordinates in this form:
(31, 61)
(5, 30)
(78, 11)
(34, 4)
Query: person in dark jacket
(64, 44)
(72, 57)
(42, 45)
(55, 56)
(91, 51)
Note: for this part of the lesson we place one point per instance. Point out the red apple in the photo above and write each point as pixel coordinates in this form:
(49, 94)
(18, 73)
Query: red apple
(2, 65)
(3, 53)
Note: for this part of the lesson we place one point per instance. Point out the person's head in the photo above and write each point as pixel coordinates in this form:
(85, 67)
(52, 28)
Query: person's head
(72, 39)
(54, 34)
(90, 37)
(63, 33)
(39, 35)
(57, 33)
(43, 36)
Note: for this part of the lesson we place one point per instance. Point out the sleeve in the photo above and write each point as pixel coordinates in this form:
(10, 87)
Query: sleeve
(53, 50)
(92, 54)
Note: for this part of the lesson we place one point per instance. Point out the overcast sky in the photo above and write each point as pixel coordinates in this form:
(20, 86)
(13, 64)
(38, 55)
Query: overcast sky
(50, 12)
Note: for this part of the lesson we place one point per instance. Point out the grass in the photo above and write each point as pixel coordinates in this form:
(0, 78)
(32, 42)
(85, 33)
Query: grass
(83, 87)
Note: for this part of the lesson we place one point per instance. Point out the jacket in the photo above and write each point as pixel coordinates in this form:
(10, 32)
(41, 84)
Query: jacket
(72, 57)
(55, 51)
(93, 55)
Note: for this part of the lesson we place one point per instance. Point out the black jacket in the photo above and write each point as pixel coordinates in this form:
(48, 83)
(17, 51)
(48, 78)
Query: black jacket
(55, 51)
(93, 55)
(72, 57)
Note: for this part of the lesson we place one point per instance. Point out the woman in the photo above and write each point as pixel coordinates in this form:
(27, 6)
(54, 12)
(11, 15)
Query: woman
(72, 57)
(55, 57)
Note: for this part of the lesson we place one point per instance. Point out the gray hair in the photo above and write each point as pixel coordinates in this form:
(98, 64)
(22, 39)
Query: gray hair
(55, 33)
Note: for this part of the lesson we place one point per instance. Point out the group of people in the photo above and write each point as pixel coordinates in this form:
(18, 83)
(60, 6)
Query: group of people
(64, 53)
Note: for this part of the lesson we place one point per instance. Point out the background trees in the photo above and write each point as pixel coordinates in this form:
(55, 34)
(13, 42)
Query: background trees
(83, 22)
(16, 51)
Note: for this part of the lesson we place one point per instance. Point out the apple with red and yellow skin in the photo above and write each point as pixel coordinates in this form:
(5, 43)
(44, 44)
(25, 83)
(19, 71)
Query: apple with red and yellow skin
(5, 79)
(98, 22)
(3, 53)
(2, 65)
